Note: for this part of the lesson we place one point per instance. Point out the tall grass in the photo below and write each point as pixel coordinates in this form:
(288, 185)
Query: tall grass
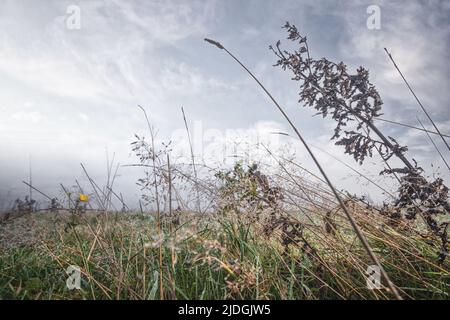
(285, 235)
(226, 256)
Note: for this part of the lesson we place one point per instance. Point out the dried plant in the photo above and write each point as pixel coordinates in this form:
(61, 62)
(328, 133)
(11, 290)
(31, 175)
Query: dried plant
(154, 160)
(352, 100)
(249, 193)
(352, 221)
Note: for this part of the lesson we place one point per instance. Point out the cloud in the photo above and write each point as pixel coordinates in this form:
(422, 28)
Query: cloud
(28, 117)
(418, 40)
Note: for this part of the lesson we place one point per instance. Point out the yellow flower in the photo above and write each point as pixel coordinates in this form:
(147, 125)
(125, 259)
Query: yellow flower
(84, 197)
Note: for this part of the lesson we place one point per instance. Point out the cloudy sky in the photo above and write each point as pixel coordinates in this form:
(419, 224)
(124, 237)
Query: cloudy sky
(69, 90)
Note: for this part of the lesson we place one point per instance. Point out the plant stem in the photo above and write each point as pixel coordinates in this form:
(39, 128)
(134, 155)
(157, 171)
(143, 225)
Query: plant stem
(158, 212)
(193, 160)
(358, 232)
(410, 126)
(435, 146)
(417, 99)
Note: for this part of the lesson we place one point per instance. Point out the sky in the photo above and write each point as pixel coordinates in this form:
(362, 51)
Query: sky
(73, 72)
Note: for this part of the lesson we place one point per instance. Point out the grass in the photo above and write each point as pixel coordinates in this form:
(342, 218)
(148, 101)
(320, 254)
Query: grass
(290, 235)
(208, 257)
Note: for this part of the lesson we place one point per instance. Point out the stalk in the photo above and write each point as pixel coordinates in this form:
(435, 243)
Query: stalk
(158, 212)
(358, 232)
(417, 99)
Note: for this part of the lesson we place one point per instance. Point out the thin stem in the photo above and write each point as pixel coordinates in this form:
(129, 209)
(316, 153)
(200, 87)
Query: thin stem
(169, 176)
(356, 171)
(31, 181)
(417, 99)
(94, 185)
(193, 159)
(34, 188)
(341, 203)
(435, 146)
(158, 212)
(410, 126)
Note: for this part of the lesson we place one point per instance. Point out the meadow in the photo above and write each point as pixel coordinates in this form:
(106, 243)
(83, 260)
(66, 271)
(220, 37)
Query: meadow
(243, 248)
(246, 231)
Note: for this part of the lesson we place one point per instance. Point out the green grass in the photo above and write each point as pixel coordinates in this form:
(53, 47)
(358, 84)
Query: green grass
(215, 257)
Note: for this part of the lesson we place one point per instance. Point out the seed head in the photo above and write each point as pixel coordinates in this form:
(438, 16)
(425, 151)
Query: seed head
(217, 44)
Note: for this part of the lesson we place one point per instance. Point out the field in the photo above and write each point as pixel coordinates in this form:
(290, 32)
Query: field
(252, 230)
(215, 257)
